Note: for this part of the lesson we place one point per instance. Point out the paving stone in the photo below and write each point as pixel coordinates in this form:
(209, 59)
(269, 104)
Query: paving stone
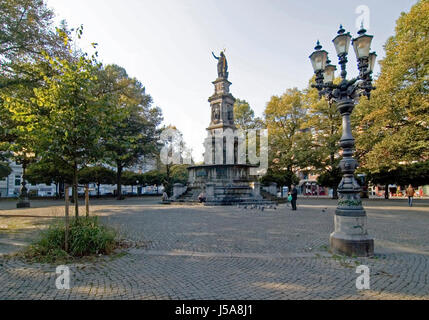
(194, 252)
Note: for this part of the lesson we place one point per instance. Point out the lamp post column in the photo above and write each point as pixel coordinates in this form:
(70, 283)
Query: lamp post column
(350, 236)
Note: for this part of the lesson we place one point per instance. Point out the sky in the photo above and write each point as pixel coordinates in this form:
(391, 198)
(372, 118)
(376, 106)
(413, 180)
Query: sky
(167, 45)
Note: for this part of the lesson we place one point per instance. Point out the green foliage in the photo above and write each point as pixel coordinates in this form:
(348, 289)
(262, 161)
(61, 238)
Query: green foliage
(286, 178)
(330, 178)
(25, 32)
(130, 178)
(168, 177)
(290, 141)
(62, 121)
(393, 127)
(47, 172)
(86, 237)
(179, 174)
(5, 170)
(73, 121)
(174, 154)
(135, 133)
(96, 174)
(324, 121)
(154, 177)
(26, 36)
(416, 174)
(244, 116)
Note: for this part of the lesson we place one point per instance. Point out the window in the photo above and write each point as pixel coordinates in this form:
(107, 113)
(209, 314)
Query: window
(17, 181)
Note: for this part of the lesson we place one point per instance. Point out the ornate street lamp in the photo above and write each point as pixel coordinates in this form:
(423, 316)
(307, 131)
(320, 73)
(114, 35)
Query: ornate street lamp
(350, 236)
(24, 159)
(329, 73)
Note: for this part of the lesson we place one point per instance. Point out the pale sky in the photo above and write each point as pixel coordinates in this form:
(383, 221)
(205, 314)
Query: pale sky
(167, 45)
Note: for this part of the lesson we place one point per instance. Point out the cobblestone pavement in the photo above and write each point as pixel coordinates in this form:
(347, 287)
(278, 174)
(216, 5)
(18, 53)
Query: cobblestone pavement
(195, 252)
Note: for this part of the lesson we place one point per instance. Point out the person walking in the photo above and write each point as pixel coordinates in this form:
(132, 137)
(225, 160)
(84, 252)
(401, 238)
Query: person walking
(294, 194)
(410, 194)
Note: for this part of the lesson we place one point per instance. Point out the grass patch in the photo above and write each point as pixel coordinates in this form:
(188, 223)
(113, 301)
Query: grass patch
(87, 237)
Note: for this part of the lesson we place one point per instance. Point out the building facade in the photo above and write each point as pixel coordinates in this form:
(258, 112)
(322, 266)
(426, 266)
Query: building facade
(10, 186)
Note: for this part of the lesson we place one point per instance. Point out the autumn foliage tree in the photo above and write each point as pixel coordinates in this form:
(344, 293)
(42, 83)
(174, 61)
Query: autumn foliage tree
(290, 144)
(393, 127)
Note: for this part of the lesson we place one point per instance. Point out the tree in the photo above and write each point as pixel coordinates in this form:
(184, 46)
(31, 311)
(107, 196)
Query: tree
(416, 174)
(179, 174)
(130, 178)
(65, 119)
(324, 122)
(136, 134)
(5, 170)
(290, 142)
(98, 175)
(45, 171)
(26, 32)
(173, 157)
(154, 177)
(244, 116)
(26, 38)
(393, 127)
(287, 178)
(331, 178)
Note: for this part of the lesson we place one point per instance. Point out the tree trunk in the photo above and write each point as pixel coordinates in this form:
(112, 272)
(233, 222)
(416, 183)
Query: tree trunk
(386, 191)
(98, 190)
(87, 200)
(75, 185)
(72, 196)
(118, 182)
(66, 236)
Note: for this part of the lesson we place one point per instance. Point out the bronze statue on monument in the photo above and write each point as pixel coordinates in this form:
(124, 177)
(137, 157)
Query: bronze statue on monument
(222, 65)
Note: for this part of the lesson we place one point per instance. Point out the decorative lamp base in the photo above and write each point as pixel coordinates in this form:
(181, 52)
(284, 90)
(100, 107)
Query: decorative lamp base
(350, 236)
(363, 247)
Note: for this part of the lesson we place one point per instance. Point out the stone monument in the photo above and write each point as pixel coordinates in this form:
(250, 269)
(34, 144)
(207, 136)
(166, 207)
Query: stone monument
(225, 176)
